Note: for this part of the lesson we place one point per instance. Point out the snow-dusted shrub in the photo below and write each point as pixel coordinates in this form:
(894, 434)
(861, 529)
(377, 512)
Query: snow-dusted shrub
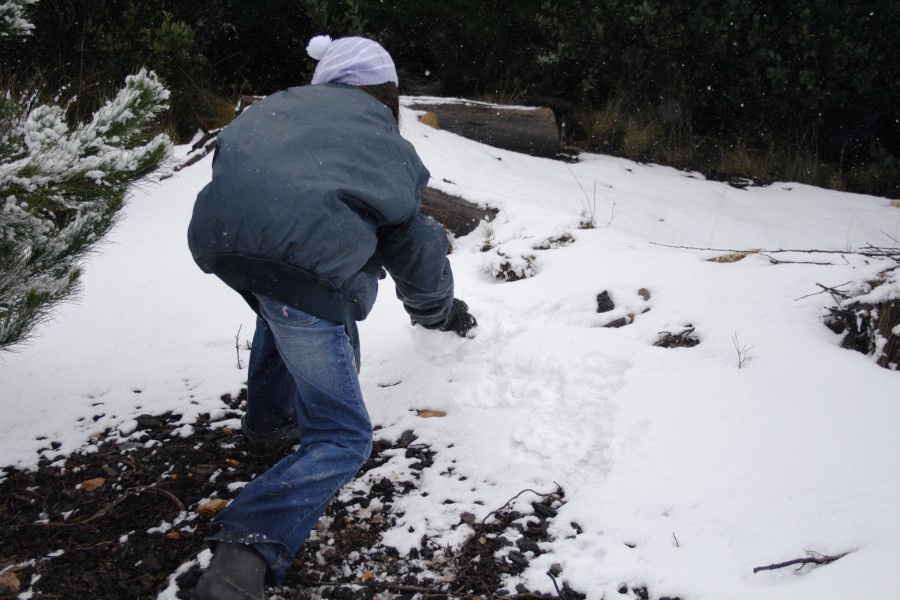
(61, 188)
(869, 319)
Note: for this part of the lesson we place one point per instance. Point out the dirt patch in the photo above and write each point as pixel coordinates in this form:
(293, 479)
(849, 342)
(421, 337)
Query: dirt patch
(121, 520)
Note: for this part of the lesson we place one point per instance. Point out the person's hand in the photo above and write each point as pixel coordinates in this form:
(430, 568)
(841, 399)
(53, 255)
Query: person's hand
(460, 321)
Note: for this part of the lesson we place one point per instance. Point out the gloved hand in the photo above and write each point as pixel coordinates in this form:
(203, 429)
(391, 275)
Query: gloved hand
(460, 320)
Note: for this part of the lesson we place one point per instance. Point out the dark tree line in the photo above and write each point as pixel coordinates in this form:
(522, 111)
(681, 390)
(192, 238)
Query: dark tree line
(820, 73)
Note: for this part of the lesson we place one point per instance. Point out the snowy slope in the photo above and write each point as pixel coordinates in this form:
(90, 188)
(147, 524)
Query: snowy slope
(683, 471)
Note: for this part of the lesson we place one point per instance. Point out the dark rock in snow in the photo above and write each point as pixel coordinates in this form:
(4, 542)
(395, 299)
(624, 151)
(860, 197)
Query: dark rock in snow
(604, 302)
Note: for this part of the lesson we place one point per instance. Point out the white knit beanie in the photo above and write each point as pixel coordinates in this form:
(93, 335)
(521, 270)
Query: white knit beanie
(351, 60)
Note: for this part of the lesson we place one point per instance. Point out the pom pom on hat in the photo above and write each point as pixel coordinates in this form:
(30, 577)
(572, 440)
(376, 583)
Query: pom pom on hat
(318, 46)
(351, 60)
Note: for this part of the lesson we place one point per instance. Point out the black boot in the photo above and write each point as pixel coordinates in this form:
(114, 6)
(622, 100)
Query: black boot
(274, 442)
(236, 572)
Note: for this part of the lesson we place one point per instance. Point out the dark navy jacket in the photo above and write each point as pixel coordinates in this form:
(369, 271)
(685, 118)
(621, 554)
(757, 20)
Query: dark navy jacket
(313, 190)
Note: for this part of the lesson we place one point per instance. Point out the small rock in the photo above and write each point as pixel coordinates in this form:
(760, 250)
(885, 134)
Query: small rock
(212, 507)
(9, 583)
(173, 535)
(604, 302)
(431, 120)
(518, 558)
(92, 485)
(329, 553)
(148, 422)
(619, 322)
(644, 293)
(543, 510)
(406, 438)
(427, 414)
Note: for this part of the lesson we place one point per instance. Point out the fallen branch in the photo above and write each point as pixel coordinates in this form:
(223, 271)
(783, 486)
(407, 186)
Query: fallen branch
(133, 491)
(869, 251)
(810, 560)
(775, 261)
(202, 148)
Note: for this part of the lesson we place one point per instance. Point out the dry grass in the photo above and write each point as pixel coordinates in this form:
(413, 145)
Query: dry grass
(622, 128)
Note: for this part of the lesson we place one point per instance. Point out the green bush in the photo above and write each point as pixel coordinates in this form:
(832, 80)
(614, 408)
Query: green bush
(821, 77)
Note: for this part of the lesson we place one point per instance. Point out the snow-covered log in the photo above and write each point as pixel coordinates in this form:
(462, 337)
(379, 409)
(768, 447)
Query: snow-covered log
(457, 215)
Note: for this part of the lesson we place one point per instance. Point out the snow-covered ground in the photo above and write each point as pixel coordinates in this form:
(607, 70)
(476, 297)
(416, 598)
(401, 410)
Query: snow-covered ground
(683, 471)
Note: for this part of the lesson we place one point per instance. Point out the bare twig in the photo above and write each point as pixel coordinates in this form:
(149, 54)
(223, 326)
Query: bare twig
(559, 592)
(776, 261)
(590, 206)
(835, 293)
(828, 290)
(237, 347)
(893, 238)
(810, 560)
(743, 352)
(481, 527)
(718, 211)
(868, 251)
(130, 492)
(510, 501)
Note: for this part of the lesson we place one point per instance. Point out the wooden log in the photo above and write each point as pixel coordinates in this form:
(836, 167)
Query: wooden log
(529, 130)
(457, 215)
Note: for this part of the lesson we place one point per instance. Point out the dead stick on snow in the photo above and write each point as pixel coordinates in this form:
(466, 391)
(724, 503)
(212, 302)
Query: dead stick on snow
(237, 346)
(810, 560)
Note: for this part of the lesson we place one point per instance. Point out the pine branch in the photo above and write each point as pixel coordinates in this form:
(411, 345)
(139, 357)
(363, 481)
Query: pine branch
(61, 190)
(13, 22)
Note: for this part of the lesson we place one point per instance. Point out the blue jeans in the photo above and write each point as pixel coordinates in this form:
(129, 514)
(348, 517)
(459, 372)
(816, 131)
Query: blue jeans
(302, 369)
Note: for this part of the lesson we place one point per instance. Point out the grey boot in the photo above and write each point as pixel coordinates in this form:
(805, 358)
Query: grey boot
(236, 572)
(266, 444)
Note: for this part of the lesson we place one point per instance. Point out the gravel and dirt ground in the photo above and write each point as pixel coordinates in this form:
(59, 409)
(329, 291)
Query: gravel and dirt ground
(128, 519)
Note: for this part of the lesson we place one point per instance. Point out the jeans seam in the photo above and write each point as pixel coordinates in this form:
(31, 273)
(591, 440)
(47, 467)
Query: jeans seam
(360, 405)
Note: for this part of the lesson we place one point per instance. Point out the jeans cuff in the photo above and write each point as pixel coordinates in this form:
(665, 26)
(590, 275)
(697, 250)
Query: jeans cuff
(276, 554)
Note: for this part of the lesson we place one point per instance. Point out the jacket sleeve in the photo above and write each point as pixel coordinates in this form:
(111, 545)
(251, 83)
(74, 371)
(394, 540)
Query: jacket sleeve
(415, 254)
